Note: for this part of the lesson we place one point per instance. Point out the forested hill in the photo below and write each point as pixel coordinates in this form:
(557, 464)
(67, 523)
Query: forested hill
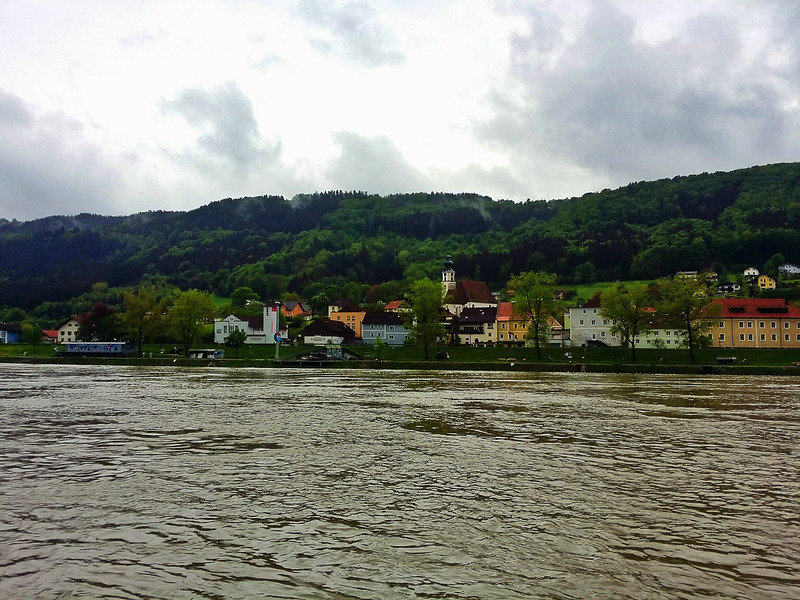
(339, 242)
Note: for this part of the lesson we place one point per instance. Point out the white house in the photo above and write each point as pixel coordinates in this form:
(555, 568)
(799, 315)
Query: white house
(478, 325)
(68, 331)
(789, 269)
(587, 327)
(751, 272)
(259, 330)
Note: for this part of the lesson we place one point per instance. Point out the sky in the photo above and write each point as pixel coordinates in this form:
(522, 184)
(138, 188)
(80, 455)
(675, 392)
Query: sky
(120, 107)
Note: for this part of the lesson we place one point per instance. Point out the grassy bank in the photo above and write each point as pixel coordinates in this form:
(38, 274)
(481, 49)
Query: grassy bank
(747, 361)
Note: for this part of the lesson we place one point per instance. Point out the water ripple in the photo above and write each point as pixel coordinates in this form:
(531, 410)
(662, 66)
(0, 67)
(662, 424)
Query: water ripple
(216, 483)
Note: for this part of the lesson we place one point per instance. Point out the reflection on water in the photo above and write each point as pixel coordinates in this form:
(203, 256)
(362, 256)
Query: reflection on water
(215, 483)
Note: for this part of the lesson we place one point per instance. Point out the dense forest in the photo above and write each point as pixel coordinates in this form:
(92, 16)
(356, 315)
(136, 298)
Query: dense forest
(368, 245)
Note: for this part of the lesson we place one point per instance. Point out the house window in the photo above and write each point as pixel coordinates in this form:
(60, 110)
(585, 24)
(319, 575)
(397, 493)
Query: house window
(721, 324)
(391, 337)
(773, 325)
(741, 337)
(774, 338)
(391, 327)
(741, 324)
(584, 311)
(721, 337)
(761, 324)
(786, 337)
(749, 337)
(593, 322)
(763, 337)
(749, 324)
(786, 324)
(602, 334)
(582, 322)
(798, 337)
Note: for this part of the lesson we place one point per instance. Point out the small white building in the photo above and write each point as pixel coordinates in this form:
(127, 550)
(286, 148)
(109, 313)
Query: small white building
(259, 330)
(587, 327)
(68, 331)
(751, 272)
(789, 269)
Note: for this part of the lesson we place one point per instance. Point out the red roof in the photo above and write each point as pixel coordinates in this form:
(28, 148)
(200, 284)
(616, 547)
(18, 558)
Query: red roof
(756, 308)
(505, 310)
(472, 291)
(394, 305)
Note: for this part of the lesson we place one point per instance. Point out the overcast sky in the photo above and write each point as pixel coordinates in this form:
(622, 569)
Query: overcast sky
(120, 107)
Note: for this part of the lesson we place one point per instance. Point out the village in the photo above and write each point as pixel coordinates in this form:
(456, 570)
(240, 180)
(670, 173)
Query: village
(472, 315)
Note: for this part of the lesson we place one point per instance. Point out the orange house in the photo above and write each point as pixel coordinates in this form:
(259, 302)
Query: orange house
(294, 308)
(347, 312)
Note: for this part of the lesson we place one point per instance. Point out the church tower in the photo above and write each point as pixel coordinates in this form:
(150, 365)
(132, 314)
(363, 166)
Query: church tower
(448, 276)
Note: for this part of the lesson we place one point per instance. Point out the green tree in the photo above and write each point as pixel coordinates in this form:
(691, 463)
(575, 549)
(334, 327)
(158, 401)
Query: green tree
(144, 314)
(12, 315)
(424, 321)
(533, 293)
(189, 312)
(686, 302)
(236, 339)
(245, 299)
(628, 308)
(319, 303)
(379, 346)
(31, 334)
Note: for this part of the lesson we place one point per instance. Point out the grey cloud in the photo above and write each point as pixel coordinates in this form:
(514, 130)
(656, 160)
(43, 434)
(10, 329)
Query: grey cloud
(630, 110)
(373, 165)
(355, 32)
(48, 167)
(229, 140)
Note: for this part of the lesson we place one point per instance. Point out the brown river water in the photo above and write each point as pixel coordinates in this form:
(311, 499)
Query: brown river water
(127, 482)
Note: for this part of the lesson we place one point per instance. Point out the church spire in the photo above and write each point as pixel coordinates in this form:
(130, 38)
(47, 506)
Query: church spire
(448, 275)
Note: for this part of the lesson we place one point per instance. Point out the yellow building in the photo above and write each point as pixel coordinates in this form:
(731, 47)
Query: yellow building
(756, 323)
(765, 282)
(511, 328)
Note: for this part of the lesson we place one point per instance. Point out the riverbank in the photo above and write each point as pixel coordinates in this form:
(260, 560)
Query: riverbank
(436, 365)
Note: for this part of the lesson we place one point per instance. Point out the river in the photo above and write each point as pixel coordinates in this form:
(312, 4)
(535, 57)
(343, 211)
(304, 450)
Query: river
(127, 482)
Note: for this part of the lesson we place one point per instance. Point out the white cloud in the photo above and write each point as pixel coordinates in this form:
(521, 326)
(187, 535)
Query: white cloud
(112, 108)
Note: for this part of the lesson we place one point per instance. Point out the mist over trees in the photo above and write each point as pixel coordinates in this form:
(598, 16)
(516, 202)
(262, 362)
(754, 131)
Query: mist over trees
(339, 243)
